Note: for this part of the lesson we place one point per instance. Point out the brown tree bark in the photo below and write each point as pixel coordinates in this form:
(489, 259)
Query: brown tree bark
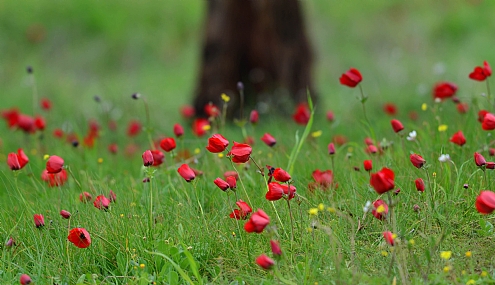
(261, 43)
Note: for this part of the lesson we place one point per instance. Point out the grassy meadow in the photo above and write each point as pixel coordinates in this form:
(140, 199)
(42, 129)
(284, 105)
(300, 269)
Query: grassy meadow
(89, 57)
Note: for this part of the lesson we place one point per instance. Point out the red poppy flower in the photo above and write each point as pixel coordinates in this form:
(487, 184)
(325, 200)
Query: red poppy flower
(444, 90)
(101, 202)
(323, 178)
(231, 173)
(17, 160)
(302, 114)
(187, 111)
(488, 122)
(25, 279)
(254, 117)
(26, 123)
(46, 104)
(200, 126)
(275, 246)
(265, 262)
(147, 158)
(113, 148)
(330, 116)
(389, 237)
(79, 237)
(54, 179)
(39, 123)
(168, 144)
(417, 160)
(420, 185)
(65, 214)
(331, 148)
(243, 211)
(211, 110)
(54, 164)
(277, 191)
(380, 209)
(491, 151)
(134, 128)
(462, 108)
(383, 180)
(222, 184)
(368, 165)
(39, 220)
(11, 116)
(232, 182)
(178, 130)
(85, 197)
(458, 138)
(481, 115)
(390, 109)
(351, 78)
(217, 143)
(281, 175)
(240, 152)
(268, 139)
(481, 73)
(490, 165)
(396, 125)
(158, 157)
(257, 222)
(485, 202)
(368, 141)
(186, 172)
(479, 159)
(371, 149)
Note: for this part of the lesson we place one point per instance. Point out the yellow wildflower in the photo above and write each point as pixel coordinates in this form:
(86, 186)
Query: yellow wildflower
(197, 150)
(313, 211)
(46, 156)
(100, 160)
(142, 265)
(446, 255)
(321, 207)
(424, 107)
(442, 128)
(484, 273)
(316, 134)
(225, 97)
(468, 254)
(470, 282)
(412, 242)
(206, 127)
(331, 209)
(384, 253)
(446, 269)
(220, 155)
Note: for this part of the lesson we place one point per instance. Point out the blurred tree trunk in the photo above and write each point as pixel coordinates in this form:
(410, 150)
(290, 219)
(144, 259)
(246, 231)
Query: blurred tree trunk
(261, 43)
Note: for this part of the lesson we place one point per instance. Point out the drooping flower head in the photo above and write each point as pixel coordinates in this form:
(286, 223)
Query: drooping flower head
(268, 139)
(39, 220)
(257, 222)
(265, 262)
(217, 143)
(417, 160)
(147, 158)
(240, 152)
(101, 202)
(479, 159)
(420, 185)
(396, 125)
(186, 172)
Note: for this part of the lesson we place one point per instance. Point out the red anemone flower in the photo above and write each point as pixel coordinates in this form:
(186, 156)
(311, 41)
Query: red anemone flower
(39, 220)
(113, 148)
(281, 175)
(420, 185)
(54, 179)
(396, 125)
(240, 152)
(275, 246)
(330, 116)
(390, 109)
(17, 160)
(481, 115)
(134, 128)
(277, 191)
(231, 173)
(211, 110)
(65, 214)
(268, 139)
(351, 78)
(254, 117)
(488, 123)
(479, 159)
(481, 73)
(383, 180)
(417, 160)
(444, 90)
(178, 130)
(54, 164)
(79, 237)
(331, 148)
(323, 178)
(25, 279)
(112, 196)
(85, 197)
(368, 165)
(389, 237)
(232, 182)
(217, 143)
(46, 104)
(168, 144)
(200, 126)
(265, 262)
(380, 209)
(462, 108)
(187, 111)
(222, 184)
(458, 138)
(485, 202)
(147, 158)
(243, 211)
(257, 222)
(39, 123)
(101, 202)
(186, 172)
(302, 114)
(158, 157)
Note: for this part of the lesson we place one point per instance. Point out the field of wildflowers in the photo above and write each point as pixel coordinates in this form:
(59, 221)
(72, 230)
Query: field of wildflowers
(370, 189)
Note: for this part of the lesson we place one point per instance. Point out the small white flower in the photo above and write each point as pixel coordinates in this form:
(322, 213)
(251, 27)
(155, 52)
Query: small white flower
(367, 206)
(412, 136)
(444, 158)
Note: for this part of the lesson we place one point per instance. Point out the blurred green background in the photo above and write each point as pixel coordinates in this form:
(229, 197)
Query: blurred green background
(111, 48)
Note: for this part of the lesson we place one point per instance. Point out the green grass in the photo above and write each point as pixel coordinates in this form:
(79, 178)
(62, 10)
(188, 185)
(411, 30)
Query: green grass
(101, 48)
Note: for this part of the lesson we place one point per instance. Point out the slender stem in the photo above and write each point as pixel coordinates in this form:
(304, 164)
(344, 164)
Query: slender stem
(35, 93)
(291, 223)
(73, 177)
(363, 101)
(148, 123)
(488, 90)
(241, 93)
(151, 205)
(259, 168)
